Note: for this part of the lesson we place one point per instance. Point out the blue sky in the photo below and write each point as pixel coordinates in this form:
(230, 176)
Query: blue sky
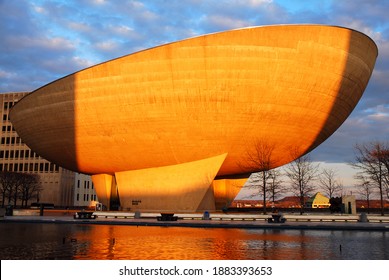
(44, 40)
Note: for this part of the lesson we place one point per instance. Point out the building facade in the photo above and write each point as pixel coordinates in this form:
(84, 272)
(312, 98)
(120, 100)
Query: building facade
(84, 192)
(59, 185)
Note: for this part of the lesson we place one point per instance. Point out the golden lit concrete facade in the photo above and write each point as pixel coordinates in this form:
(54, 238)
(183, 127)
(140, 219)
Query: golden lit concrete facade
(192, 108)
(59, 186)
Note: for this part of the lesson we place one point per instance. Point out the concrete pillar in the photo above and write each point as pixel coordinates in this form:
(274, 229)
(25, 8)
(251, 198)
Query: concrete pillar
(104, 184)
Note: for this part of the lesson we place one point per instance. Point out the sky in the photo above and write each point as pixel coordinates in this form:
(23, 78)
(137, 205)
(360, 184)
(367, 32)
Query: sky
(42, 41)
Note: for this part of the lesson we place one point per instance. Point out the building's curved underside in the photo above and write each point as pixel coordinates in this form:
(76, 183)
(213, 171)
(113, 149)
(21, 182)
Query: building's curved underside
(198, 106)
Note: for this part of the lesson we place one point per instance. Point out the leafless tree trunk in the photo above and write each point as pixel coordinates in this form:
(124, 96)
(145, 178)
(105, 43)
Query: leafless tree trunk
(301, 173)
(370, 159)
(365, 189)
(260, 160)
(329, 182)
(5, 184)
(30, 188)
(7, 181)
(385, 161)
(275, 184)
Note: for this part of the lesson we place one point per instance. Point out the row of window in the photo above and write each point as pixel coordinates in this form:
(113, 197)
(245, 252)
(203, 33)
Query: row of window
(11, 140)
(8, 105)
(6, 117)
(8, 128)
(86, 197)
(18, 154)
(86, 184)
(29, 167)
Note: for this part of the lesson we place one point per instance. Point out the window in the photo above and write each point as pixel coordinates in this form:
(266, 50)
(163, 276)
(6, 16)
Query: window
(78, 197)
(78, 184)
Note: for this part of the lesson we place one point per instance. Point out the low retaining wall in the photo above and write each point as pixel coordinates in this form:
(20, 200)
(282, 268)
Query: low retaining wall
(246, 217)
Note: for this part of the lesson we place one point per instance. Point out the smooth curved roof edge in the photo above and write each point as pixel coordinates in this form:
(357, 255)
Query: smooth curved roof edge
(203, 35)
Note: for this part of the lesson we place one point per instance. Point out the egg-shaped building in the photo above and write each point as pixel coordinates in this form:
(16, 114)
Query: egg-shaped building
(168, 128)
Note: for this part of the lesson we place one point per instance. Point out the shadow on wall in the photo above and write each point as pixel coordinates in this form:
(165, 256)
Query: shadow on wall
(353, 83)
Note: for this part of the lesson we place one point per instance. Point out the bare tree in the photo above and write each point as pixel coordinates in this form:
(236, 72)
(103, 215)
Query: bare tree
(370, 159)
(260, 160)
(8, 180)
(276, 186)
(6, 183)
(30, 187)
(365, 189)
(384, 158)
(329, 183)
(15, 186)
(301, 173)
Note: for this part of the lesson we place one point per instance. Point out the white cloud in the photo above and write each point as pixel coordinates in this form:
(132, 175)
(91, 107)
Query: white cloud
(226, 22)
(107, 46)
(82, 63)
(79, 27)
(5, 74)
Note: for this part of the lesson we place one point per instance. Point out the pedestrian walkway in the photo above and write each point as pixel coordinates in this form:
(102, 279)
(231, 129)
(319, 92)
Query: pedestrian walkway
(324, 222)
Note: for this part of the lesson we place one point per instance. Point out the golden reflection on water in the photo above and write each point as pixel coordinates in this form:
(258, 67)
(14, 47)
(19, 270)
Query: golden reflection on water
(141, 243)
(95, 242)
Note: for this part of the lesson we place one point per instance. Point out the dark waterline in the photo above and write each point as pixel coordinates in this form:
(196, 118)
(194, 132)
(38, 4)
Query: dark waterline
(114, 242)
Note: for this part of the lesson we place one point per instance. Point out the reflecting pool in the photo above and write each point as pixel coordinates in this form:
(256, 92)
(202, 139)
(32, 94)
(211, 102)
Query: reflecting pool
(114, 242)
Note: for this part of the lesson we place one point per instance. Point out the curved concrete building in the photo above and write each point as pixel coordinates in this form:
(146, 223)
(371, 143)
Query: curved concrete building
(156, 127)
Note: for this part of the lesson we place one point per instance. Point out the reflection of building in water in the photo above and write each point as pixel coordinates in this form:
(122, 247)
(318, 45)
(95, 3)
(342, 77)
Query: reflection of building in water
(59, 186)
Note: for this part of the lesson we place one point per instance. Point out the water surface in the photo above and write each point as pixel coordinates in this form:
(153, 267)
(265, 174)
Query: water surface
(114, 242)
